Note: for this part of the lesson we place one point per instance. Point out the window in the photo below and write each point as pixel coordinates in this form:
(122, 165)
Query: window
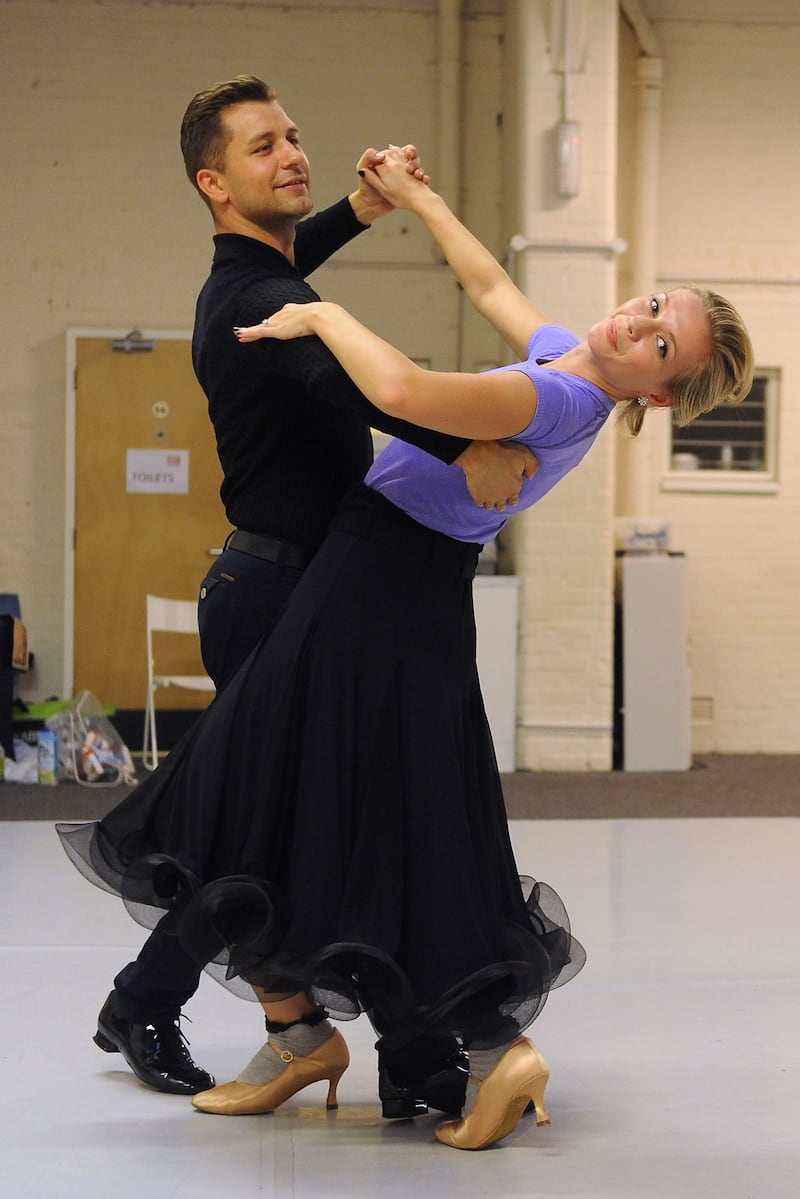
(733, 448)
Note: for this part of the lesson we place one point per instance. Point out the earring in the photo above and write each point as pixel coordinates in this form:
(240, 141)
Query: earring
(642, 401)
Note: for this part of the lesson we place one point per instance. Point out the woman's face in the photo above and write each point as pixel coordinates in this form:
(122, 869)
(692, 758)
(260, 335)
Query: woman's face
(649, 341)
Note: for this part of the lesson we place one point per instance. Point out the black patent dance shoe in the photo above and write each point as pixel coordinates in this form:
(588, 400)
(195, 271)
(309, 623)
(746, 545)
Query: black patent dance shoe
(404, 1096)
(398, 1102)
(156, 1052)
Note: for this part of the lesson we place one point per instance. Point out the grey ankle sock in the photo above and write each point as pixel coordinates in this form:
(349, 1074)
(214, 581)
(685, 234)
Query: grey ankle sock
(298, 1039)
(481, 1064)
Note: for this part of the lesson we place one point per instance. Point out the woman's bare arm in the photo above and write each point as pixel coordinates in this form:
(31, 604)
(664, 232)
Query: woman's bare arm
(483, 407)
(490, 289)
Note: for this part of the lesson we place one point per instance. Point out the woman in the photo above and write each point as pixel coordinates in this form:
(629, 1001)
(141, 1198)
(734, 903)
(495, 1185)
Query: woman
(332, 831)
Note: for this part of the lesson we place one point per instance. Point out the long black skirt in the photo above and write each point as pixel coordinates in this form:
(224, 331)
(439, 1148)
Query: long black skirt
(334, 823)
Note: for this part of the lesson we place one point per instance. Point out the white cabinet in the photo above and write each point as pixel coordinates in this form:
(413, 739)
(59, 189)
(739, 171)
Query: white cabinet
(656, 699)
(496, 603)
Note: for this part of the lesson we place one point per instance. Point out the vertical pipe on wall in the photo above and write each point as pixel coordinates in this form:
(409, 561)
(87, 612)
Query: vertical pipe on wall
(649, 73)
(448, 150)
(447, 179)
(566, 56)
(636, 462)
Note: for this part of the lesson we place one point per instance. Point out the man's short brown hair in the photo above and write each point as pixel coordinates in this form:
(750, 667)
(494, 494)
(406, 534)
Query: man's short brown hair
(204, 138)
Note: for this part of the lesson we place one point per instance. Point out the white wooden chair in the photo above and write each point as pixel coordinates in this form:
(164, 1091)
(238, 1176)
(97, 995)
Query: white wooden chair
(167, 616)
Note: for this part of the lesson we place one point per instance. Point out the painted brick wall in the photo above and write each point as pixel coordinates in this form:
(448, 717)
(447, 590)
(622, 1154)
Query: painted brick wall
(102, 230)
(562, 549)
(730, 173)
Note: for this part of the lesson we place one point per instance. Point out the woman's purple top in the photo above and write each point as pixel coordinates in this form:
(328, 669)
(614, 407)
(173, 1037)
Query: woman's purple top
(569, 415)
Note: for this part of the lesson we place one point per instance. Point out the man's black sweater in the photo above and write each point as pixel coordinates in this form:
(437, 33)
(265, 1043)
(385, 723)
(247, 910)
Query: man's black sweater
(292, 429)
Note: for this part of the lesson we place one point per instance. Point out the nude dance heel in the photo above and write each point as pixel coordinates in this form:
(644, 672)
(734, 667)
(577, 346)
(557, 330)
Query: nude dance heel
(519, 1077)
(329, 1061)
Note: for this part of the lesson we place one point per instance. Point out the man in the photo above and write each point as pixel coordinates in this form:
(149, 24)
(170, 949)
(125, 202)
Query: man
(293, 435)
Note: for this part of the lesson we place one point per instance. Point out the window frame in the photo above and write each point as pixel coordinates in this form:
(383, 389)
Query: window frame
(761, 482)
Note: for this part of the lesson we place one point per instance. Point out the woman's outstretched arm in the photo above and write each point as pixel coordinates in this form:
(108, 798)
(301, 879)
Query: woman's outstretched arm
(487, 285)
(483, 407)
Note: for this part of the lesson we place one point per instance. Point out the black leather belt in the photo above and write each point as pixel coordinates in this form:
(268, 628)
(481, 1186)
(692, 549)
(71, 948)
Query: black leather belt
(271, 549)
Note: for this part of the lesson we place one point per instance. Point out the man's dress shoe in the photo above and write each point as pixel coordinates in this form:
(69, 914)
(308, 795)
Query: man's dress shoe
(155, 1052)
(403, 1096)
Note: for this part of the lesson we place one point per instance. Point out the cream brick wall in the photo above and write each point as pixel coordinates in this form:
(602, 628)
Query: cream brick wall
(102, 230)
(562, 549)
(730, 174)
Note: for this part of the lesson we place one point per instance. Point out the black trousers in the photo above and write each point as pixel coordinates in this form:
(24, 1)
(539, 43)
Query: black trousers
(240, 598)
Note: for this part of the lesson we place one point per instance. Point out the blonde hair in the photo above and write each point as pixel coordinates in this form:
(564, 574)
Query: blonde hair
(725, 377)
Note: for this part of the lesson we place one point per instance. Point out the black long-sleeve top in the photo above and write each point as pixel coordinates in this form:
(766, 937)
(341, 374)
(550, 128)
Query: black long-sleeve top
(292, 429)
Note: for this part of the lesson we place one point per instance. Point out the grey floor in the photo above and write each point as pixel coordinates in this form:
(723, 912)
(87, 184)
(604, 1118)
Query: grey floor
(675, 1055)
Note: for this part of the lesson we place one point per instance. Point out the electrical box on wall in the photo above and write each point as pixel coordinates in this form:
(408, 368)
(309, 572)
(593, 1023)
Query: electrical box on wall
(569, 148)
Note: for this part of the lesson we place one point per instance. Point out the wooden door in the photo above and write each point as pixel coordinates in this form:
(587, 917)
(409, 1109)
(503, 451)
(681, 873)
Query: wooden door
(136, 413)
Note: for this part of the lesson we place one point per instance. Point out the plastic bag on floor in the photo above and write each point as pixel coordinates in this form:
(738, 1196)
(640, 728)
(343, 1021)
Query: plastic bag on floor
(90, 749)
(24, 766)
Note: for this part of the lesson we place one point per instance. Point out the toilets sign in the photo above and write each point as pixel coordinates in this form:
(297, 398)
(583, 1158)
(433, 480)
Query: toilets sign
(163, 472)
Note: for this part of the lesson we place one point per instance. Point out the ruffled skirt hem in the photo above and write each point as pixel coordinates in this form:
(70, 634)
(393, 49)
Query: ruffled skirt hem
(234, 928)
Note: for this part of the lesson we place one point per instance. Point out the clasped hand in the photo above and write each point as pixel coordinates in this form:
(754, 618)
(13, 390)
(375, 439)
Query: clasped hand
(394, 175)
(375, 196)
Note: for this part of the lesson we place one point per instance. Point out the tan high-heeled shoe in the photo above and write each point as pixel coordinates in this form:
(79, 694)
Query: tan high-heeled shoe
(329, 1061)
(518, 1078)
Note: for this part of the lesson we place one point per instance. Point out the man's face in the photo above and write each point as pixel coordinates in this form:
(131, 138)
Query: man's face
(266, 177)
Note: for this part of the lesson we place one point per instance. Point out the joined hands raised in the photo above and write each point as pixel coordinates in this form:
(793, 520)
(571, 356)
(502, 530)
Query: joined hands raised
(373, 198)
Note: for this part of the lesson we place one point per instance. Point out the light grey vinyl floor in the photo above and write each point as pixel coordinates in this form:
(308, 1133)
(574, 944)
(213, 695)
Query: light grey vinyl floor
(675, 1054)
